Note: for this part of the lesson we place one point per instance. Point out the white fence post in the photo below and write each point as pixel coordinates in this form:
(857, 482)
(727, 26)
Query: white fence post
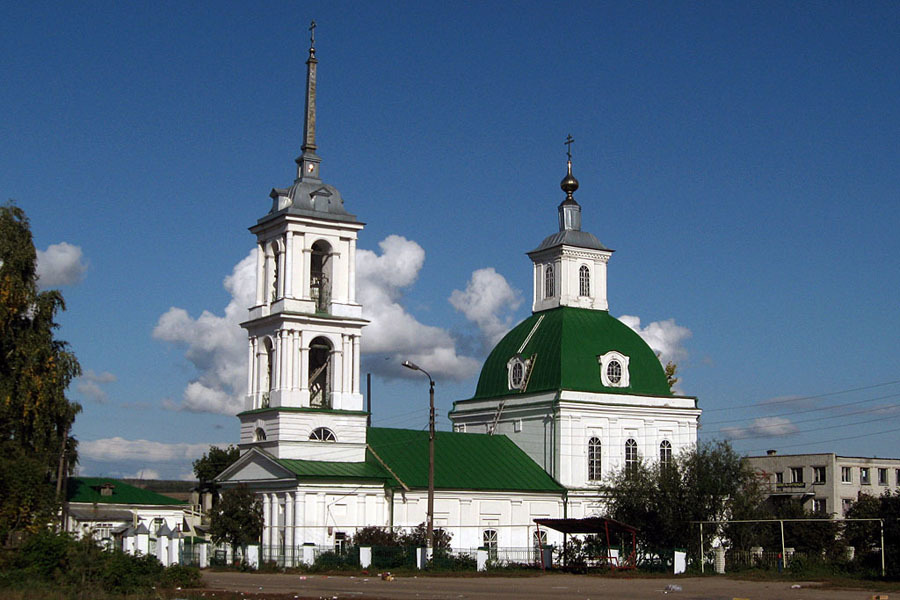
(365, 557)
(482, 558)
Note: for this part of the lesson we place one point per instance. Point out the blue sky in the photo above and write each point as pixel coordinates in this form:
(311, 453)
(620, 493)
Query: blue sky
(741, 158)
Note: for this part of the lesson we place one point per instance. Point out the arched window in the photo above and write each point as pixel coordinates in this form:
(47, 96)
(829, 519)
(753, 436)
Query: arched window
(665, 453)
(322, 434)
(584, 281)
(260, 434)
(320, 373)
(320, 275)
(631, 457)
(538, 541)
(489, 542)
(594, 459)
(549, 284)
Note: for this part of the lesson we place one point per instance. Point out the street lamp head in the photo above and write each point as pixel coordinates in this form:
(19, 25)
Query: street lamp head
(411, 365)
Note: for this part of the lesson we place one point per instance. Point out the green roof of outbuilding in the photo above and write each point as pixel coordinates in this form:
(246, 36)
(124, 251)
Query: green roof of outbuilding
(87, 489)
(566, 346)
(462, 461)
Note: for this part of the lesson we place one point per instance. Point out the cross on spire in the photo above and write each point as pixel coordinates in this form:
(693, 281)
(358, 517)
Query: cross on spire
(569, 141)
(312, 34)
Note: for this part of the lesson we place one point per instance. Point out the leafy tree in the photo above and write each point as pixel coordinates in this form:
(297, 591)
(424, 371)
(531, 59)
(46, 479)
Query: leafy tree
(35, 370)
(237, 518)
(418, 537)
(211, 464)
(374, 536)
(665, 501)
(865, 537)
(671, 378)
(208, 467)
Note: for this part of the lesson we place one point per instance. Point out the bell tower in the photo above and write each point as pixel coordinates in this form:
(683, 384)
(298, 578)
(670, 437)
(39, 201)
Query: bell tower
(303, 381)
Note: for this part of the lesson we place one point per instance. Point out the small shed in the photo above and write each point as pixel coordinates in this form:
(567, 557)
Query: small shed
(606, 529)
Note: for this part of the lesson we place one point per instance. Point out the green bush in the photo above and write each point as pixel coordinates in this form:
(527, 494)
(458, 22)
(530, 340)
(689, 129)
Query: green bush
(179, 576)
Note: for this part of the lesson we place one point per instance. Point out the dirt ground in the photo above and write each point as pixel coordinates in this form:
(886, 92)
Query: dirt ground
(574, 587)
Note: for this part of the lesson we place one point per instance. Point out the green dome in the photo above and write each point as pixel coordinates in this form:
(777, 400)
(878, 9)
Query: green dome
(565, 347)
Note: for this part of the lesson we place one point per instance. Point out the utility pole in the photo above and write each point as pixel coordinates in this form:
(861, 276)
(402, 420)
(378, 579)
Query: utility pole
(430, 521)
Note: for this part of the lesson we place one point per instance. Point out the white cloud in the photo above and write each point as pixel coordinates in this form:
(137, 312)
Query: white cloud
(487, 295)
(215, 345)
(119, 449)
(60, 264)
(392, 330)
(761, 427)
(89, 385)
(664, 337)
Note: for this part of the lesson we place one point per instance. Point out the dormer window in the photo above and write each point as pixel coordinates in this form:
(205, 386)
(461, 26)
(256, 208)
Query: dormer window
(614, 369)
(517, 372)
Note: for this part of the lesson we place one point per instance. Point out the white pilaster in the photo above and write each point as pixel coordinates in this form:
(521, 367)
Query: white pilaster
(289, 527)
(283, 276)
(289, 265)
(260, 275)
(356, 373)
(351, 273)
(267, 526)
(276, 359)
(299, 517)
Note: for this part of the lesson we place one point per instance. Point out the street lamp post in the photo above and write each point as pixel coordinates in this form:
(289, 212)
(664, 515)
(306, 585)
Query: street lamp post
(430, 523)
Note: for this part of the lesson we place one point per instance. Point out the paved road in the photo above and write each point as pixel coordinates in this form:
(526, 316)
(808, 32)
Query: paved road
(567, 587)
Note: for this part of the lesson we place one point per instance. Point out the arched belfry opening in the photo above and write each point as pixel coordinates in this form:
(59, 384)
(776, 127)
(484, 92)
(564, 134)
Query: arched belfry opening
(320, 275)
(267, 364)
(320, 353)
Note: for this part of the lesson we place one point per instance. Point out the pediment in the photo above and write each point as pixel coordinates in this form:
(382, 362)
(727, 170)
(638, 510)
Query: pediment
(255, 466)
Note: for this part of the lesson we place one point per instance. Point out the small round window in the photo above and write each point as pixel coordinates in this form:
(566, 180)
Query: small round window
(614, 372)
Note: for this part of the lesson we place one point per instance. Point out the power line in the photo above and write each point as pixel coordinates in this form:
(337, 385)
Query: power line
(806, 410)
(796, 399)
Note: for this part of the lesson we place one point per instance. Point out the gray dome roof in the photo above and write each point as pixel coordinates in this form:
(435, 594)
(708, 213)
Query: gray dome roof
(571, 237)
(310, 198)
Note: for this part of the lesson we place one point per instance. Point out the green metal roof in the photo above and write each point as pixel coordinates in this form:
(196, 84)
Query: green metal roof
(320, 469)
(87, 489)
(462, 461)
(566, 346)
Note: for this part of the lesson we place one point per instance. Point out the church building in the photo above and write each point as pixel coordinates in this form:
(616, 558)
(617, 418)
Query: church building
(565, 398)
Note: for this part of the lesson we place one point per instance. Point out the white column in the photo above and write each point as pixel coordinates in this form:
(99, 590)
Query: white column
(356, 373)
(267, 526)
(304, 281)
(304, 365)
(289, 528)
(289, 359)
(260, 274)
(295, 351)
(347, 363)
(283, 359)
(289, 265)
(351, 273)
(276, 360)
(250, 343)
(281, 272)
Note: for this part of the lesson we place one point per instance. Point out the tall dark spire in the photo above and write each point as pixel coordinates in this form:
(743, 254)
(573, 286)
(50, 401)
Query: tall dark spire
(569, 210)
(308, 161)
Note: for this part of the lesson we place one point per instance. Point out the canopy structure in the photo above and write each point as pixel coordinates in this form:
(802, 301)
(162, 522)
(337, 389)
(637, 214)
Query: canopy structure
(598, 526)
